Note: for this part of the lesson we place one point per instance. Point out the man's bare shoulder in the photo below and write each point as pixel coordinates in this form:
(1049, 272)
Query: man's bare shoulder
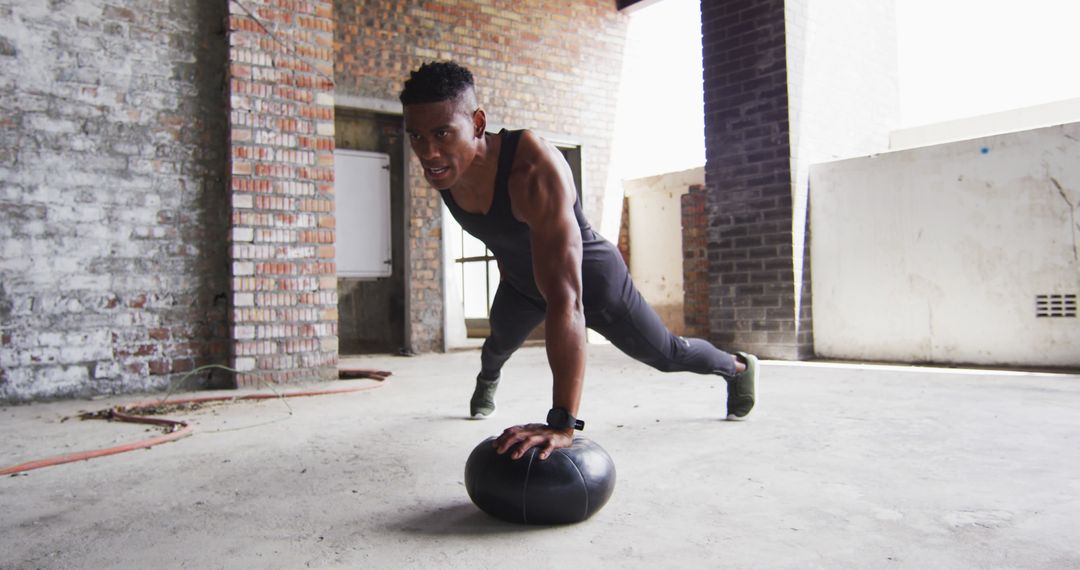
(536, 179)
(536, 157)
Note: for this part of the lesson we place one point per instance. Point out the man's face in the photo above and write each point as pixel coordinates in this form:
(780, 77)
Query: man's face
(443, 135)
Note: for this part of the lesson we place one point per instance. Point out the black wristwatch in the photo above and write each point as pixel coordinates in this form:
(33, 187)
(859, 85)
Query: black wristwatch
(559, 418)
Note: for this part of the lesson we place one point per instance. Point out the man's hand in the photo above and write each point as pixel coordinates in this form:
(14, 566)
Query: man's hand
(525, 437)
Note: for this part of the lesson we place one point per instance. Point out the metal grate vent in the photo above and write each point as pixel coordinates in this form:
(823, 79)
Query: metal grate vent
(1055, 305)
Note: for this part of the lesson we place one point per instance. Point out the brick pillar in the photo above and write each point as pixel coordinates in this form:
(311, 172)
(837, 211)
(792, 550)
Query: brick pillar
(281, 125)
(624, 232)
(749, 178)
(695, 263)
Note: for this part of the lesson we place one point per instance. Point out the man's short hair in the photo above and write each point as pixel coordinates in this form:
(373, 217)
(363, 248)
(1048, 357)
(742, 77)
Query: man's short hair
(435, 82)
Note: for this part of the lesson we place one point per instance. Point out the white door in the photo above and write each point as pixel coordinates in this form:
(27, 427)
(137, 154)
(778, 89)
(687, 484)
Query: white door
(362, 209)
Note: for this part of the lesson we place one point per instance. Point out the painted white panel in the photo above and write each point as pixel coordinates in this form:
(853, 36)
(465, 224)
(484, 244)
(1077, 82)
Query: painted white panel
(938, 254)
(656, 260)
(362, 210)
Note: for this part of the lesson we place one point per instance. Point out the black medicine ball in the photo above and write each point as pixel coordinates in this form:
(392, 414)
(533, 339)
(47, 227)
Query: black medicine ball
(569, 486)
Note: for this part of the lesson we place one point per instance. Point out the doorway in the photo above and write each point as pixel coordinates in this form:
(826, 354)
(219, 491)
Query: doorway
(372, 315)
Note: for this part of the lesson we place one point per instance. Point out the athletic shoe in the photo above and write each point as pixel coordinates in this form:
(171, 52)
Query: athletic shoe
(482, 404)
(740, 389)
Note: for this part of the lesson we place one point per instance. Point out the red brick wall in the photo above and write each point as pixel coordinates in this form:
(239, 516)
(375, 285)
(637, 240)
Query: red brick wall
(549, 65)
(624, 232)
(281, 127)
(695, 263)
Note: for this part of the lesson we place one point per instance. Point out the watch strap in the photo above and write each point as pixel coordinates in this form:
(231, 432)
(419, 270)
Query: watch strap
(559, 418)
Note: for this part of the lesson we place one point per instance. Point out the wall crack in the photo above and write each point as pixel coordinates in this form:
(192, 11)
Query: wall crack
(1072, 216)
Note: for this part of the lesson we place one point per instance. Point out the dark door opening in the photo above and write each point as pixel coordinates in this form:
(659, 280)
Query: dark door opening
(372, 311)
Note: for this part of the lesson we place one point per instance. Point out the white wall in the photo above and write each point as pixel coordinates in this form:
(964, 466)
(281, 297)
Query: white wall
(843, 97)
(936, 254)
(656, 255)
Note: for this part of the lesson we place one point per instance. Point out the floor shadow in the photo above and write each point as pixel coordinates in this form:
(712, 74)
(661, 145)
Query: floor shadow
(459, 519)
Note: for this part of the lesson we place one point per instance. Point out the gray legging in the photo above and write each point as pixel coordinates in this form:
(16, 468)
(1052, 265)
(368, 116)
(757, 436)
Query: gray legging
(627, 321)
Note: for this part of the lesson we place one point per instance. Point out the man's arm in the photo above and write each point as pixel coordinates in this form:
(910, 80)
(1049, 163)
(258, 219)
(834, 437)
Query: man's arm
(542, 195)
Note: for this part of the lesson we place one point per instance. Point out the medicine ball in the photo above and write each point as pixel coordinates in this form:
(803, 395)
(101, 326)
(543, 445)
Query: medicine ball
(569, 486)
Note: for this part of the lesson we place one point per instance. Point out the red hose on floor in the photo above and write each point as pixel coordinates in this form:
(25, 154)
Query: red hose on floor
(178, 429)
(184, 431)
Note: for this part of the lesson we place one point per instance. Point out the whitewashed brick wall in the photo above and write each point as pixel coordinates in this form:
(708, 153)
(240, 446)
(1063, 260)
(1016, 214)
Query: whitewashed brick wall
(113, 276)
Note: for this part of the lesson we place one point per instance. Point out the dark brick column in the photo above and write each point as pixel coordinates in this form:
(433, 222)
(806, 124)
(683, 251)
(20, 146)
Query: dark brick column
(749, 179)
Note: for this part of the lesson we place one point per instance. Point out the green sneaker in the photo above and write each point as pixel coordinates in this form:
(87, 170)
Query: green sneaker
(482, 404)
(740, 389)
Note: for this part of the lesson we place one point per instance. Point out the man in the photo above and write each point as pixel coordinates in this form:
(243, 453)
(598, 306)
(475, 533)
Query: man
(515, 192)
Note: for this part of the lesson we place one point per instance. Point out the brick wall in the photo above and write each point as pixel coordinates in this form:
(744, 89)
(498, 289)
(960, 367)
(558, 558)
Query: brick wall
(144, 193)
(748, 173)
(281, 137)
(112, 215)
(551, 65)
(695, 263)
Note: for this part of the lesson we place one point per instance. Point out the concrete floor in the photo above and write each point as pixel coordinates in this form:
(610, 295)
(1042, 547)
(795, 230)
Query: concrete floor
(839, 467)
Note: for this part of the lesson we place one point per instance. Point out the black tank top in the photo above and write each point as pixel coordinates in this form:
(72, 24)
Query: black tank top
(509, 240)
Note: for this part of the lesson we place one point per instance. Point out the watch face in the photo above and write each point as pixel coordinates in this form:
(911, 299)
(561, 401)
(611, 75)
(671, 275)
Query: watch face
(559, 418)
